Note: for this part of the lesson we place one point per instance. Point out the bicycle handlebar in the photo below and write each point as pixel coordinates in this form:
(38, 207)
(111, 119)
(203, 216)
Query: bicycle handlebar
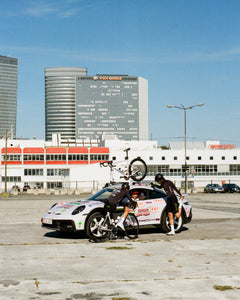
(107, 164)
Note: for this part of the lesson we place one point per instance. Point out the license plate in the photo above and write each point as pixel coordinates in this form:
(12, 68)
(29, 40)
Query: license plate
(47, 221)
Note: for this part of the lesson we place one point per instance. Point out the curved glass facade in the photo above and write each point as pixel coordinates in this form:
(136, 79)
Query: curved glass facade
(8, 95)
(60, 86)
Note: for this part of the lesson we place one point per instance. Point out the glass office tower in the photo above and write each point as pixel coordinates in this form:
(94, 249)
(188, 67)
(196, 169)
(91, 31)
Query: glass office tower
(60, 87)
(112, 104)
(8, 95)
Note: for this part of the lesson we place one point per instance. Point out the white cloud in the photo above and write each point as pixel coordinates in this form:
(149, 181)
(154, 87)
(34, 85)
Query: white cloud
(231, 54)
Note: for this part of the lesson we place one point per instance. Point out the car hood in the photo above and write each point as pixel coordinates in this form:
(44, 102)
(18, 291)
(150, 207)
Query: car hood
(69, 207)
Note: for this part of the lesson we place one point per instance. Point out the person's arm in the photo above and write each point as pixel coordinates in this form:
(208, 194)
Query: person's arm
(176, 189)
(156, 185)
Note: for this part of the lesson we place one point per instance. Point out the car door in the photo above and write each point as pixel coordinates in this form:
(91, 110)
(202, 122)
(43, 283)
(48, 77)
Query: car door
(150, 208)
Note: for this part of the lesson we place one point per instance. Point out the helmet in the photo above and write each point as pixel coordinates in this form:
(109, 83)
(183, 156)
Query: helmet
(158, 177)
(125, 186)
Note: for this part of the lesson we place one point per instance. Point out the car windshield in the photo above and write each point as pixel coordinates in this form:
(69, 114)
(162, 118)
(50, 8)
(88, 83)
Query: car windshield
(102, 195)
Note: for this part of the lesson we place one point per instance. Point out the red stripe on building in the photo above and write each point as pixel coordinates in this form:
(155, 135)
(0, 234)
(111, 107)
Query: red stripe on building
(13, 150)
(33, 162)
(33, 150)
(10, 162)
(77, 150)
(100, 150)
(56, 162)
(56, 150)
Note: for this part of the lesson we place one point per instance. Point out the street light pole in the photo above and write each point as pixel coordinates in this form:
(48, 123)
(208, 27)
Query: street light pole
(185, 133)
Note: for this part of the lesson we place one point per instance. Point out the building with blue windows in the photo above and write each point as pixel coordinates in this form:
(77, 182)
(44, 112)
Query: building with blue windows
(8, 95)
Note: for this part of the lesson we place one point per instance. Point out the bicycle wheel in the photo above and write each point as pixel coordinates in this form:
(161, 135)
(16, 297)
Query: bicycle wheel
(137, 169)
(98, 228)
(131, 226)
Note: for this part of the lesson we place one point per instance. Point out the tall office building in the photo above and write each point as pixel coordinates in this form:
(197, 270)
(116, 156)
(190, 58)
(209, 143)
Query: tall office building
(112, 104)
(8, 95)
(60, 87)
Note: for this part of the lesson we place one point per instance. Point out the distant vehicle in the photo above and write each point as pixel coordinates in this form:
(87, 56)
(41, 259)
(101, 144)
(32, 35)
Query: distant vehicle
(16, 188)
(26, 187)
(213, 188)
(231, 188)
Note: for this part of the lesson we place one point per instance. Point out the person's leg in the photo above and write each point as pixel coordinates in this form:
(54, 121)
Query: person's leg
(126, 211)
(123, 217)
(171, 222)
(178, 214)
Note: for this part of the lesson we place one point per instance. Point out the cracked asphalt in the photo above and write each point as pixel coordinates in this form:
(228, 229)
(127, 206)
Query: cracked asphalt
(201, 262)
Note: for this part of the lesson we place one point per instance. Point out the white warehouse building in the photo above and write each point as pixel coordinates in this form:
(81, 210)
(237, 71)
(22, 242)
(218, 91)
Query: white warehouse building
(74, 164)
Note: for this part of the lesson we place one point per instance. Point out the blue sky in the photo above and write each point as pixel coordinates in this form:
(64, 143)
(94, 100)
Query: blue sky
(188, 50)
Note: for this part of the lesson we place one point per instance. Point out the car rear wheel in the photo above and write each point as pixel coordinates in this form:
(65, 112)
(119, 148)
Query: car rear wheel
(97, 228)
(178, 223)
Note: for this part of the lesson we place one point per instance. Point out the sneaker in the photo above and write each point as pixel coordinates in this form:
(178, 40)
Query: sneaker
(171, 233)
(120, 224)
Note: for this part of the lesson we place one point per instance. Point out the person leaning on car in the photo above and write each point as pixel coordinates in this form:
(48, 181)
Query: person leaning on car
(116, 197)
(169, 188)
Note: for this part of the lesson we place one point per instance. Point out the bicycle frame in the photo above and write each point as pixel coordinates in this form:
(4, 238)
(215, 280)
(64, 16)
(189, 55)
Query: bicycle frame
(122, 168)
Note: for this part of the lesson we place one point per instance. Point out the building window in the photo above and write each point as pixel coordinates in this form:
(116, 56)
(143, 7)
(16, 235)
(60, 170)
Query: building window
(58, 172)
(99, 157)
(33, 172)
(234, 157)
(175, 158)
(12, 179)
(187, 158)
(151, 158)
(199, 158)
(55, 157)
(211, 157)
(163, 157)
(33, 157)
(78, 157)
(223, 157)
(12, 157)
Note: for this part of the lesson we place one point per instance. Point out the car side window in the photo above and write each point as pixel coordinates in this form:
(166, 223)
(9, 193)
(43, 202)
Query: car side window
(156, 194)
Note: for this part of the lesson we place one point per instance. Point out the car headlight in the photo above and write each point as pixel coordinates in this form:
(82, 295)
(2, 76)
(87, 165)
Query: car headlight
(78, 210)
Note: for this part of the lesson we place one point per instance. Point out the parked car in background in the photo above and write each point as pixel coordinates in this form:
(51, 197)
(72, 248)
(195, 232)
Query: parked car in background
(231, 188)
(213, 188)
(16, 188)
(26, 187)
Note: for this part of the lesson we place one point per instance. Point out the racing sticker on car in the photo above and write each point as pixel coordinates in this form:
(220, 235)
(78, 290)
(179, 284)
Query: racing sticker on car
(155, 209)
(143, 212)
(158, 200)
(67, 206)
(141, 203)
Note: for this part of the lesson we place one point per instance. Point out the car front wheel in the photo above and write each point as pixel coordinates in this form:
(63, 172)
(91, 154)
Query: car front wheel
(178, 223)
(97, 227)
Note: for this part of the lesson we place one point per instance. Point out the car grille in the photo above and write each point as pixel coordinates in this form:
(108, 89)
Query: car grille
(61, 225)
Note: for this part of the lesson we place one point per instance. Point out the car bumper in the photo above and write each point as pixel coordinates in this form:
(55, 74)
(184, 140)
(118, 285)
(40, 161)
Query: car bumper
(61, 225)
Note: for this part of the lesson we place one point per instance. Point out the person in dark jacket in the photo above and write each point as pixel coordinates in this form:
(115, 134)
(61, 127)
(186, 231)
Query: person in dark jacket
(116, 197)
(173, 208)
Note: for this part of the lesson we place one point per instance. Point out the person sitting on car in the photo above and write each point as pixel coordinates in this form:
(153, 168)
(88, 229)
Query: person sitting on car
(116, 198)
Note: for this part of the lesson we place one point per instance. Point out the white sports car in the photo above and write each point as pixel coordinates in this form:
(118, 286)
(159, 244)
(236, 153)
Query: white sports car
(76, 215)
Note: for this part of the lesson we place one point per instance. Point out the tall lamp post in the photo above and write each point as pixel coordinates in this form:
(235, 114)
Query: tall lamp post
(185, 132)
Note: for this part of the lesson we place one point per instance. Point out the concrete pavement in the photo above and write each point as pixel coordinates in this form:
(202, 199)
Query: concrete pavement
(201, 262)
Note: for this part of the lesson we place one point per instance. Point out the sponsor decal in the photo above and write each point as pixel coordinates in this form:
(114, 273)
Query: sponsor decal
(158, 200)
(141, 203)
(143, 212)
(155, 209)
(67, 206)
(79, 224)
